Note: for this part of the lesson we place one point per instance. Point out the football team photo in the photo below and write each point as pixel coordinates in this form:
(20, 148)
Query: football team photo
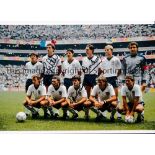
(77, 77)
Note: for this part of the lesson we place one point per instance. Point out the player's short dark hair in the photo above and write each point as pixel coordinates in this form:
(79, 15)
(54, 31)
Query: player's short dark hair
(56, 77)
(133, 43)
(52, 45)
(70, 50)
(34, 53)
(36, 76)
(131, 77)
(91, 47)
(76, 77)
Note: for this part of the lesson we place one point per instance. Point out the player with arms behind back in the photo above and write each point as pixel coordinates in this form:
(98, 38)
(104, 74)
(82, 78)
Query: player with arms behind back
(111, 68)
(91, 68)
(32, 67)
(132, 92)
(70, 67)
(135, 64)
(51, 65)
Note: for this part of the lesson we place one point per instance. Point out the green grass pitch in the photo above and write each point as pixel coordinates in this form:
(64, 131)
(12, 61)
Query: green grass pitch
(11, 103)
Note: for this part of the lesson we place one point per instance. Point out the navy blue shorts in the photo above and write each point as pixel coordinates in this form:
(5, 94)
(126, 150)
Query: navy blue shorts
(68, 82)
(90, 80)
(28, 83)
(47, 80)
(113, 81)
(79, 107)
(57, 106)
(131, 104)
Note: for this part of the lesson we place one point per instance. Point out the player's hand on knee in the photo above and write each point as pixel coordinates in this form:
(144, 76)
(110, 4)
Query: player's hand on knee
(131, 113)
(32, 102)
(29, 103)
(87, 103)
(98, 105)
(72, 105)
(127, 113)
(64, 104)
(103, 102)
(52, 103)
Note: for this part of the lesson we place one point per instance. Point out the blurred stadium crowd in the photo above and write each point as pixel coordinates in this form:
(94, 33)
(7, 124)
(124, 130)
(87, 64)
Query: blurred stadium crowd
(67, 32)
(11, 76)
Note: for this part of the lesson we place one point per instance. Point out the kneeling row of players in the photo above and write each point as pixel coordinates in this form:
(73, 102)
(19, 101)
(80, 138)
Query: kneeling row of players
(102, 98)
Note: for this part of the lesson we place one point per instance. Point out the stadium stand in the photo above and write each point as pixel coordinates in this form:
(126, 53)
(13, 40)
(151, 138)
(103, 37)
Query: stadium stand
(66, 32)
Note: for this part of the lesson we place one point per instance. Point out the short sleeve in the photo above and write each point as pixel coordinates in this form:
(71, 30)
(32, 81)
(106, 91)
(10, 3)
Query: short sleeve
(123, 92)
(94, 91)
(83, 62)
(112, 92)
(63, 66)
(84, 93)
(26, 66)
(49, 91)
(41, 67)
(43, 91)
(59, 62)
(118, 64)
(64, 92)
(137, 91)
(29, 92)
(79, 67)
(69, 91)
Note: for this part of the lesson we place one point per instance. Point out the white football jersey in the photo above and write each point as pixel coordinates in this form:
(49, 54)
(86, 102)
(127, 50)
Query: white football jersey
(92, 65)
(36, 93)
(110, 67)
(50, 64)
(31, 69)
(57, 94)
(71, 69)
(131, 94)
(76, 95)
(103, 94)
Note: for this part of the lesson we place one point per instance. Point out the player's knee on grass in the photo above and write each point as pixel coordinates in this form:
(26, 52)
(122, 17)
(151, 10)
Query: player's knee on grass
(139, 108)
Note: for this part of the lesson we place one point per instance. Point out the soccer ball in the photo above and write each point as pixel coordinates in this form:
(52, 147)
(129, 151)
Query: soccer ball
(126, 118)
(21, 117)
(129, 119)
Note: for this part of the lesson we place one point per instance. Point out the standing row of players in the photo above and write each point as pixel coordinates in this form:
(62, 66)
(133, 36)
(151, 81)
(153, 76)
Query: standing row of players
(92, 67)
